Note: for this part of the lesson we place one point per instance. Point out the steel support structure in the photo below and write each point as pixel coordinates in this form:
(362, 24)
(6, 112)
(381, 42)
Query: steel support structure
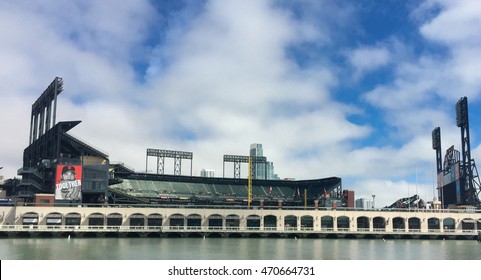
(43, 116)
(462, 121)
(237, 160)
(178, 156)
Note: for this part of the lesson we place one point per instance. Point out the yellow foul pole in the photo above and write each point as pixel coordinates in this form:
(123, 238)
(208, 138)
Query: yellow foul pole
(249, 184)
(305, 198)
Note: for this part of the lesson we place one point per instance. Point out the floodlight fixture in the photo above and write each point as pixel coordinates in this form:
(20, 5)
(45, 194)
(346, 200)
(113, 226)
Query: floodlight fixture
(436, 135)
(462, 112)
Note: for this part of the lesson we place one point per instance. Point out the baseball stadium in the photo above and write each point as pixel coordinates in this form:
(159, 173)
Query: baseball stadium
(70, 188)
(55, 162)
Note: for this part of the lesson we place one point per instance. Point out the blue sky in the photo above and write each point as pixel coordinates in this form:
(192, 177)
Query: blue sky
(330, 88)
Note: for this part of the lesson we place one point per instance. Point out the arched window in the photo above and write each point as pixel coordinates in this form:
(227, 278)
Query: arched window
(290, 222)
(343, 223)
(270, 222)
(379, 224)
(253, 222)
(434, 224)
(307, 223)
(398, 224)
(327, 223)
(362, 223)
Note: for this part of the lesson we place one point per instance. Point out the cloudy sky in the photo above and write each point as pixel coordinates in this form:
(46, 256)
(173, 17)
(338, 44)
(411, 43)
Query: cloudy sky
(330, 88)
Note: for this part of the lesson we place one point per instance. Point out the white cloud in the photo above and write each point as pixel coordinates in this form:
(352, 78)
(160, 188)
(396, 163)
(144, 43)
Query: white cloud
(458, 27)
(458, 23)
(231, 81)
(367, 59)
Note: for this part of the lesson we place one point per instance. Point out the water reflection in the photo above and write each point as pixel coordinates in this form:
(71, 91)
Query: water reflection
(237, 249)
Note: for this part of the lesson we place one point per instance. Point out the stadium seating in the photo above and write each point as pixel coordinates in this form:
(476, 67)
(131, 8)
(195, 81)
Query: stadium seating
(217, 191)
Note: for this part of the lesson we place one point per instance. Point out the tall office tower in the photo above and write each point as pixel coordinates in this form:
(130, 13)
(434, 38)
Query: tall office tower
(259, 169)
(256, 150)
(270, 171)
(207, 173)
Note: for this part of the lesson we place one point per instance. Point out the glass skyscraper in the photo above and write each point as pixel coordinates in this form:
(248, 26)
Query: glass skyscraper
(261, 170)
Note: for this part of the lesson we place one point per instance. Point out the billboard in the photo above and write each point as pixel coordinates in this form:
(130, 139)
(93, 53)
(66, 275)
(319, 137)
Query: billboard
(68, 182)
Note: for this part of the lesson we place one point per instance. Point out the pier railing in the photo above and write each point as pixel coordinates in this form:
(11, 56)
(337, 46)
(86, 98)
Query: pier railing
(239, 207)
(227, 229)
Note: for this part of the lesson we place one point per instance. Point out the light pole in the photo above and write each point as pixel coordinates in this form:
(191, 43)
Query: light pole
(373, 197)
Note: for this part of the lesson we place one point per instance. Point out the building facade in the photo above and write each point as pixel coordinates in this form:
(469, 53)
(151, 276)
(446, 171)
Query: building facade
(207, 173)
(364, 203)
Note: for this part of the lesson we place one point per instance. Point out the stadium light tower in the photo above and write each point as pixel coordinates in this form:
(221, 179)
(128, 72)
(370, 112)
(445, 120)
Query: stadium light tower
(462, 121)
(436, 135)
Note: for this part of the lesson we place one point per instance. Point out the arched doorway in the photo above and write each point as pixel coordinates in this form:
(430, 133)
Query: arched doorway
(30, 220)
(114, 220)
(290, 222)
(379, 224)
(96, 220)
(232, 222)
(154, 221)
(327, 223)
(414, 224)
(194, 221)
(398, 224)
(176, 221)
(434, 225)
(468, 225)
(72, 220)
(307, 223)
(362, 223)
(215, 221)
(270, 222)
(343, 223)
(449, 225)
(53, 220)
(137, 221)
(253, 222)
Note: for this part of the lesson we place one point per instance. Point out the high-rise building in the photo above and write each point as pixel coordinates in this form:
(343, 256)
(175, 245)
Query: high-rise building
(207, 173)
(256, 150)
(259, 169)
(262, 171)
(270, 171)
(364, 203)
